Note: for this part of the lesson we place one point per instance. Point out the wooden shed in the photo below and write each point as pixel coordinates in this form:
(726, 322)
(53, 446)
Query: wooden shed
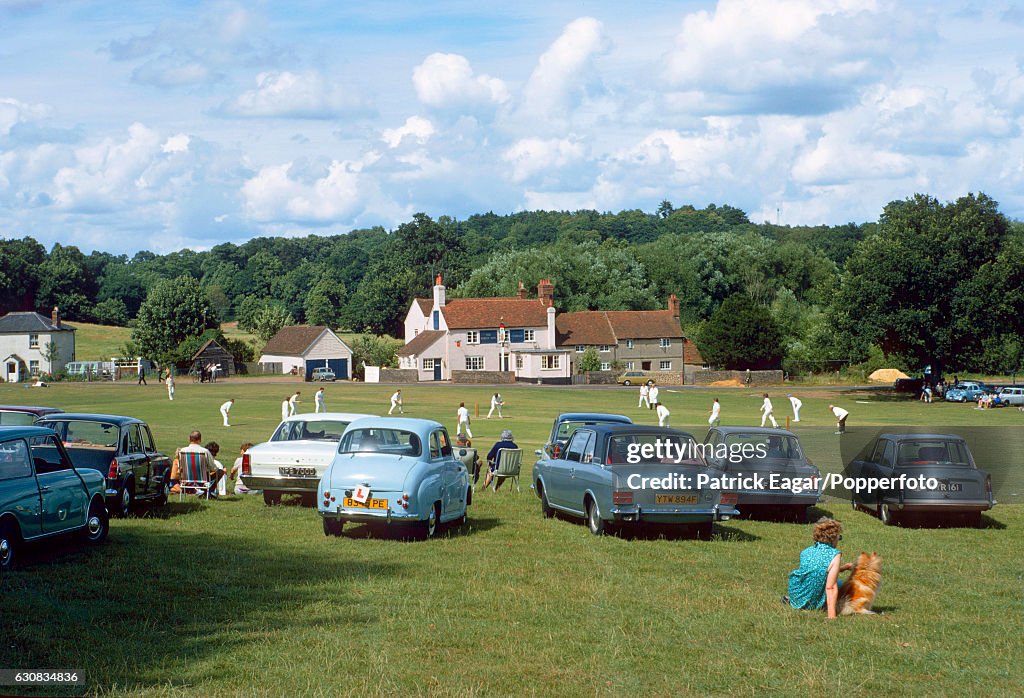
(213, 354)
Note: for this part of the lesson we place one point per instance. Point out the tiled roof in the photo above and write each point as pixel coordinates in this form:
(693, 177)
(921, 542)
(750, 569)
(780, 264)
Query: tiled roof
(214, 346)
(293, 340)
(691, 354)
(426, 305)
(644, 324)
(481, 313)
(25, 323)
(421, 343)
(586, 328)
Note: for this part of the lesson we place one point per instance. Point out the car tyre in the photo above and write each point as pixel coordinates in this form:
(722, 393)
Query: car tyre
(594, 521)
(545, 505)
(127, 499)
(97, 524)
(433, 522)
(626, 383)
(10, 546)
(271, 499)
(887, 515)
(165, 493)
(333, 527)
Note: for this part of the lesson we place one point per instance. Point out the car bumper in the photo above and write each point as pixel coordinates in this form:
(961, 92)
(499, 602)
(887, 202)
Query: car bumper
(775, 498)
(386, 516)
(280, 484)
(673, 515)
(943, 507)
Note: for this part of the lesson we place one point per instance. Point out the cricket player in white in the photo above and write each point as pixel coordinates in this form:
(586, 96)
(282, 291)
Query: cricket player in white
(463, 417)
(170, 386)
(766, 412)
(795, 402)
(716, 410)
(318, 401)
(396, 401)
(293, 403)
(285, 404)
(224, 409)
(496, 403)
(645, 390)
(841, 416)
(652, 395)
(663, 415)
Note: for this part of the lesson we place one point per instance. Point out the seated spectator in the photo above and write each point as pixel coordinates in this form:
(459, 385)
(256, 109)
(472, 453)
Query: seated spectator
(492, 457)
(462, 442)
(218, 476)
(194, 446)
(236, 471)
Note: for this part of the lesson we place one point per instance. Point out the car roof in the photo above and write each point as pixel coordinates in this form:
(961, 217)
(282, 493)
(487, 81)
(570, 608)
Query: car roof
(593, 416)
(8, 433)
(619, 429)
(32, 409)
(906, 436)
(341, 416)
(120, 420)
(753, 430)
(412, 424)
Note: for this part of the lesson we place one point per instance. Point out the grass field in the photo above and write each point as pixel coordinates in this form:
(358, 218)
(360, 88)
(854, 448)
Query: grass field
(98, 342)
(232, 598)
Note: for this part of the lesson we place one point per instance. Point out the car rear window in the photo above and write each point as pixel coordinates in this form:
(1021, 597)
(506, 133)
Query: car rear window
(396, 442)
(17, 419)
(933, 451)
(84, 434)
(643, 449)
(14, 461)
(776, 447)
(313, 430)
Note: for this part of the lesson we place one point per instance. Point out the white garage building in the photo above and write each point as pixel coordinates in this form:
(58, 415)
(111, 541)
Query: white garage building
(301, 348)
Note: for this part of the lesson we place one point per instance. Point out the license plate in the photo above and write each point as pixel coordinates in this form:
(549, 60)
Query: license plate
(951, 487)
(370, 504)
(675, 499)
(289, 471)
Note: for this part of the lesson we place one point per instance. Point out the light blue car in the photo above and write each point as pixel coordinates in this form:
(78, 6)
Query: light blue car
(394, 471)
(967, 391)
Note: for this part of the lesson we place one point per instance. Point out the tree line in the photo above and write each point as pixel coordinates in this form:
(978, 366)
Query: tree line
(928, 282)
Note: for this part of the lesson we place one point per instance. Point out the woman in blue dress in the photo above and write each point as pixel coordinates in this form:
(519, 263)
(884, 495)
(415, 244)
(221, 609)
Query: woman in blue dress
(815, 584)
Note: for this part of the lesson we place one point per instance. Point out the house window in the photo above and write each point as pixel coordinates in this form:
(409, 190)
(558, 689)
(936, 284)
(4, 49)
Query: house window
(519, 362)
(629, 343)
(474, 363)
(549, 361)
(706, 367)
(665, 366)
(604, 348)
(428, 364)
(606, 365)
(529, 335)
(666, 342)
(630, 365)
(580, 348)
(472, 337)
(33, 341)
(33, 367)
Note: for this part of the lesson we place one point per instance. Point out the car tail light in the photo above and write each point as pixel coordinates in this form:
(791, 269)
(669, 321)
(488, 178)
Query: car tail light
(988, 486)
(246, 464)
(327, 494)
(112, 472)
(730, 498)
(405, 505)
(405, 496)
(622, 497)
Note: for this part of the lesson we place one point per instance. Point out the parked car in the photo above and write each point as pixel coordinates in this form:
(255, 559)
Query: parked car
(909, 385)
(24, 415)
(395, 471)
(967, 391)
(782, 457)
(1012, 396)
(593, 478)
(123, 449)
(962, 490)
(323, 373)
(635, 378)
(296, 456)
(43, 493)
(568, 422)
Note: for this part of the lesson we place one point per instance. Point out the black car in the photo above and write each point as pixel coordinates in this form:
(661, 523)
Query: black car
(909, 385)
(24, 415)
(923, 474)
(122, 448)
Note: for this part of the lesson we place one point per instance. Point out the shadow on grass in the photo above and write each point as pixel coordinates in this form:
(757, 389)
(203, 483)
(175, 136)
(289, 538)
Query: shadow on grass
(406, 533)
(170, 510)
(153, 608)
(883, 395)
(729, 534)
(924, 522)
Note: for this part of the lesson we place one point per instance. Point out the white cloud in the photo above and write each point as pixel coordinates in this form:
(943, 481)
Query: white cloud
(532, 156)
(13, 112)
(176, 144)
(273, 194)
(415, 127)
(447, 81)
(291, 95)
(565, 72)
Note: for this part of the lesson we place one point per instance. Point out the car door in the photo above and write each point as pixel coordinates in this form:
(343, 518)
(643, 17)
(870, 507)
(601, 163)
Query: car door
(884, 467)
(567, 488)
(159, 465)
(452, 473)
(135, 459)
(62, 494)
(19, 491)
(590, 475)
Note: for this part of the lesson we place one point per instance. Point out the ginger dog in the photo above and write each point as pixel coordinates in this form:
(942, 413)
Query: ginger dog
(858, 592)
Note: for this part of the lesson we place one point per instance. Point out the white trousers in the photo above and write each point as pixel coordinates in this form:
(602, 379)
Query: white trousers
(224, 413)
(769, 415)
(465, 430)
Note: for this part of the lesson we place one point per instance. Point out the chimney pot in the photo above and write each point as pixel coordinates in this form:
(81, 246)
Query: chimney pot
(55, 316)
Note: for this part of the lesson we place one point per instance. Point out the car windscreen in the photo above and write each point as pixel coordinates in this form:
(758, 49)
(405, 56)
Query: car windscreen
(396, 442)
(84, 433)
(757, 448)
(933, 451)
(312, 430)
(650, 449)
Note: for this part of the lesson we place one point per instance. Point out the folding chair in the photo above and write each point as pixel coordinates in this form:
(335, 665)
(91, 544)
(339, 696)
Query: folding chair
(195, 474)
(508, 463)
(468, 456)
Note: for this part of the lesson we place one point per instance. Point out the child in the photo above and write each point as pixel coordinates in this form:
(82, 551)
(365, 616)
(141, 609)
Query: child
(236, 472)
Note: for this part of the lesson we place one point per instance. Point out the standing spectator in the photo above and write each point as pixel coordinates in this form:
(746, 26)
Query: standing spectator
(841, 416)
(225, 409)
(285, 408)
(218, 477)
(652, 395)
(492, 456)
(663, 415)
(463, 417)
(766, 412)
(142, 374)
(716, 414)
(170, 385)
(496, 403)
(645, 391)
(236, 472)
(797, 404)
(293, 403)
(926, 393)
(396, 401)
(318, 401)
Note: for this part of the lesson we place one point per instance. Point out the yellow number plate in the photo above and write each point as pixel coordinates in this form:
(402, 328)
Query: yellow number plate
(370, 504)
(675, 499)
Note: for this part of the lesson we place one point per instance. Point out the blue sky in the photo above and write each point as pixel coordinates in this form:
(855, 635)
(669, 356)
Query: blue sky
(163, 125)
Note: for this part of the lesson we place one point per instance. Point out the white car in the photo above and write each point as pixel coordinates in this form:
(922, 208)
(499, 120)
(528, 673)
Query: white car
(295, 457)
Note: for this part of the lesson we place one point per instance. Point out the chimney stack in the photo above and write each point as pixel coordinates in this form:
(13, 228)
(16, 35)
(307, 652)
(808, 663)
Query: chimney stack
(546, 292)
(439, 299)
(673, 305)
(55, 316)
(521, 291)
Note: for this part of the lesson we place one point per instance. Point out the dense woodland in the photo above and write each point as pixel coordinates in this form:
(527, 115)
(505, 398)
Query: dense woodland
(928, 282)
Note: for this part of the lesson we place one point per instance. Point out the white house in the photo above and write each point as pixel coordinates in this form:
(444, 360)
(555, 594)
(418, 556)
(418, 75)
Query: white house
(301, 348)
(31, 344)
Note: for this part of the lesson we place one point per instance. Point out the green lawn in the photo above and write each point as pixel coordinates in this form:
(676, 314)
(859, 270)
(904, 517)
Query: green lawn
(232, 598)
(98, 342)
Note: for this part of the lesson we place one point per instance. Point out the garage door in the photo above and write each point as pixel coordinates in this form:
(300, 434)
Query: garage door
(339, 366)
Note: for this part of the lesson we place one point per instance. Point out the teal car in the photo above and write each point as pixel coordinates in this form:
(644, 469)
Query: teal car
(42, 493)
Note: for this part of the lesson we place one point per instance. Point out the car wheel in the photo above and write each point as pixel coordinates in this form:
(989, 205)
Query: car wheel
(594, 521)
(626, 383)
(127, 499)
(545, 505)
(433, 522)
(165, 493)
(10, 543)
(886, 514)
(271, 498)
(309, 499)
(333, 527)
(97, 524)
